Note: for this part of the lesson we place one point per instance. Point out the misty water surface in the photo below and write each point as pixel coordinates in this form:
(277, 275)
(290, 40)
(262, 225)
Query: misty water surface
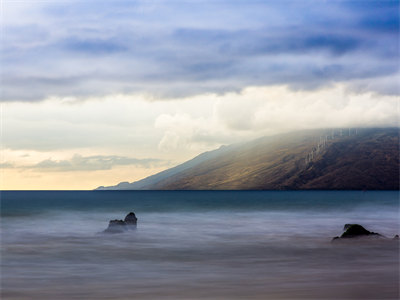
(198, 245)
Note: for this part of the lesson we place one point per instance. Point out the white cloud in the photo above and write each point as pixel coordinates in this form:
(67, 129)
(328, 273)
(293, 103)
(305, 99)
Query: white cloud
(182, 131)
(131, 125)
(258, 111)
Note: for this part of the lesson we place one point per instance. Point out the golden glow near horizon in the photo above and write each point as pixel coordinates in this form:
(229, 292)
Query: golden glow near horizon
(77, 180)
(86, 143)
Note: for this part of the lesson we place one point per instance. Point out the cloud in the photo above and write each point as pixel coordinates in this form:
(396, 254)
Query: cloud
(133, 126)
(261, 111)
(6, 165)
(184, 131)
(94, 46)
(278, 109)
(180, 48)
(93, 163)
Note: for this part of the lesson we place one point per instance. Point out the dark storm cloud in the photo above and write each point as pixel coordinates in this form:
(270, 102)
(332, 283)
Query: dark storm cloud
(181, 48)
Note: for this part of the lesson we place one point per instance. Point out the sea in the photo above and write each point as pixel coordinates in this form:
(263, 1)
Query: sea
(198, 245)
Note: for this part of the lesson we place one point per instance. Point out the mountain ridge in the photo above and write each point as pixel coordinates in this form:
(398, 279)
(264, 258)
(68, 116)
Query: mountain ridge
(351, 159)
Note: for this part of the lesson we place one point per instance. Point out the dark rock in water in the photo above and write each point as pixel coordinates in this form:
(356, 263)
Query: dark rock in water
(347, 226)
(120, 226)
(131, 219)
(116, 226)
(356, 231)
(117, 223)
(396, 237)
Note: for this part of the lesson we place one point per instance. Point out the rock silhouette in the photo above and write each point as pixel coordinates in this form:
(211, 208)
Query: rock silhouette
(356, 231)
(120, 226)
(131, 219)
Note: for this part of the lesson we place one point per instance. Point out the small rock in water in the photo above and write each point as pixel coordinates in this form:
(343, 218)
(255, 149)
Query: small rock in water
(356, 231)
(120, 226)
(116, 226)
(131, 219)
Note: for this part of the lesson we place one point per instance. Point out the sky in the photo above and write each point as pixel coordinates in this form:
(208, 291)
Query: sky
(98, 92)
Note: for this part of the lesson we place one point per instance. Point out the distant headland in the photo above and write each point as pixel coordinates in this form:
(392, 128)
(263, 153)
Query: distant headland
(325, 159)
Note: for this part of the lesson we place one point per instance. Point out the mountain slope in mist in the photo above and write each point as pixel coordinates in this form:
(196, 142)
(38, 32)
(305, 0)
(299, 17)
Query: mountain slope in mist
(317, 159)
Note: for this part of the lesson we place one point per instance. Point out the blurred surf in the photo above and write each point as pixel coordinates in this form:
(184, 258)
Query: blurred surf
(198, 245)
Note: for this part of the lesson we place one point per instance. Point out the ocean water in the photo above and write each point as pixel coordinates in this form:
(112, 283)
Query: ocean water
(198, 245)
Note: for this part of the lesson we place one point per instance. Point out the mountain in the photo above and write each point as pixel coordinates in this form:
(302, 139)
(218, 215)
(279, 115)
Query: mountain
(340, 159)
